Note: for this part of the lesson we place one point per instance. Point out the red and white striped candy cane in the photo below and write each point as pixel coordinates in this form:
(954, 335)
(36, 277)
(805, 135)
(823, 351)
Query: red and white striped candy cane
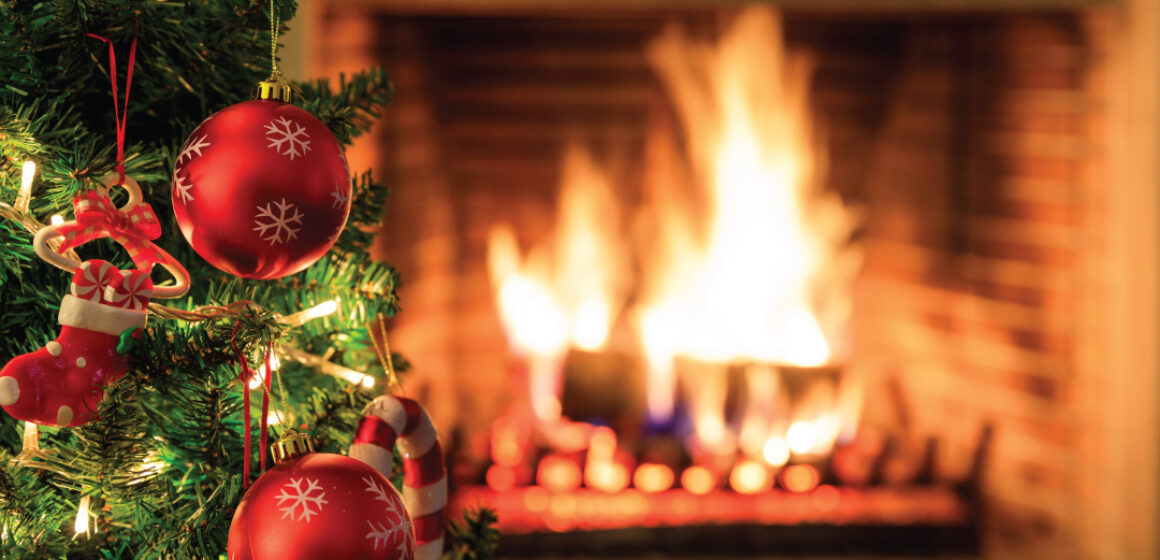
(424, 476)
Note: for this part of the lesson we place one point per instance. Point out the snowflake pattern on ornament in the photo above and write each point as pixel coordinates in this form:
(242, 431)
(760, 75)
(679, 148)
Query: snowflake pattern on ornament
(397, 521)
(340, 197)
(287, 141)
(183, 188)
(278, 226)
(192, 146)
(302, 500)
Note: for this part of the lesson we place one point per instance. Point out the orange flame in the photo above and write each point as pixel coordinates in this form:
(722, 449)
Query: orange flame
(565, 292)
(750, 276)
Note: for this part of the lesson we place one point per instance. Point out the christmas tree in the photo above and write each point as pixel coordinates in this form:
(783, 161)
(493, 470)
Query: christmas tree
(158, 472)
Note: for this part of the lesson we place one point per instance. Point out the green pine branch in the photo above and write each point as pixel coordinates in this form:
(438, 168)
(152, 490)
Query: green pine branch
(162, 466)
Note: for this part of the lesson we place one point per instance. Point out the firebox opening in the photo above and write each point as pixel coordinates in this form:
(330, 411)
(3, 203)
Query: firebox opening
(729, 280)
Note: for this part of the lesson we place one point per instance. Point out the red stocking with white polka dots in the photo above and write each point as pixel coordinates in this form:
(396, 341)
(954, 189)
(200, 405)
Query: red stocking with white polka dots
(61, 384)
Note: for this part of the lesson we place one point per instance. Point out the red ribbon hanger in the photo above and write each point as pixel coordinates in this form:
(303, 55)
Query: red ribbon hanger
(121, 116)
(133, 227)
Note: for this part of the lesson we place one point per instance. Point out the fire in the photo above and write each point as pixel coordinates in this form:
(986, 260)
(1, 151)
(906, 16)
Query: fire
(743, 259)
(653, 477)
(750, 477)
(606, 468)
(698, 480)
(565, 292)
(749, 254)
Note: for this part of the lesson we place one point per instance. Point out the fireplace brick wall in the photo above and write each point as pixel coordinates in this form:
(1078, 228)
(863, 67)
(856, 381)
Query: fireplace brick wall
(973, 143)
(984, 206)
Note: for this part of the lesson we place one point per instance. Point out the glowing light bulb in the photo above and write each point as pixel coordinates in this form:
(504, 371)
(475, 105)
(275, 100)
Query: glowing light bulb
(356, 377)
(317, 312)
(25, 196)
(56, 220)
(263, 372)
(81, 525)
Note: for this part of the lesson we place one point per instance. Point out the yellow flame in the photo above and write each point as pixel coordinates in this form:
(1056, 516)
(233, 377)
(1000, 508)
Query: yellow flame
(563, 294)
(776, 452)
(748, 253)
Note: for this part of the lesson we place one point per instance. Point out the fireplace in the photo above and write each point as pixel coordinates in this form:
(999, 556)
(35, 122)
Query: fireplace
(979, 199)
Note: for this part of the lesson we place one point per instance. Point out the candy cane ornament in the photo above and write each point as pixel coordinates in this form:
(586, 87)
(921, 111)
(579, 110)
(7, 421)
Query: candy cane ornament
(390, 419)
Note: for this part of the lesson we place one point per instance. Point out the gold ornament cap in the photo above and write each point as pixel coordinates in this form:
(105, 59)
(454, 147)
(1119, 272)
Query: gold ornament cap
(290, 446)
(274, 88)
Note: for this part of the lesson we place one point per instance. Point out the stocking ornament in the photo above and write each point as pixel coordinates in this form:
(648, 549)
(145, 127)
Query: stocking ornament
(62, 383)
(321, 506)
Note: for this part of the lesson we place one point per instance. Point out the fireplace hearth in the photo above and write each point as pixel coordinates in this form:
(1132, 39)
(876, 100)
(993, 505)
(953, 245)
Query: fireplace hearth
(951, 367)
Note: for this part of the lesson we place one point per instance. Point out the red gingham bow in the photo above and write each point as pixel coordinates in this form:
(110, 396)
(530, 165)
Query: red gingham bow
(133, 227)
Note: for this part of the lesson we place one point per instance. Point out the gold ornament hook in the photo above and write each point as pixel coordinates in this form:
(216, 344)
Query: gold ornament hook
(291, 445)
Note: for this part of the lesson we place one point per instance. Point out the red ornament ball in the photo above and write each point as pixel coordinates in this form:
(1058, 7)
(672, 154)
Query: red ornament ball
(321, 506)
(261, 189)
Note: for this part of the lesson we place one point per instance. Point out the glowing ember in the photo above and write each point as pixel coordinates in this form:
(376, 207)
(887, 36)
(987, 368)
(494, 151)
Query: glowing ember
(501, 478)
(653, 477)
(698, 480)
(510, 435)
(750, 477)
(800, 478)
(558, 473)
(605, 469)
(827, 498)
(537, 499)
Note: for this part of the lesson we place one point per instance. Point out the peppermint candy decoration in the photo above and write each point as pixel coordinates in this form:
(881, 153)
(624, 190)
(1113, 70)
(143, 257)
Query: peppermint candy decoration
(92, 278)
(132, 291)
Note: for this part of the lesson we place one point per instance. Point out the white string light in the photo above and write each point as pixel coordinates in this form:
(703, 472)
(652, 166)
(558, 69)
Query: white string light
(25, 196)
(56, 220)
(81, 525)
(317, 312)
(263, 373)
(326, 366)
